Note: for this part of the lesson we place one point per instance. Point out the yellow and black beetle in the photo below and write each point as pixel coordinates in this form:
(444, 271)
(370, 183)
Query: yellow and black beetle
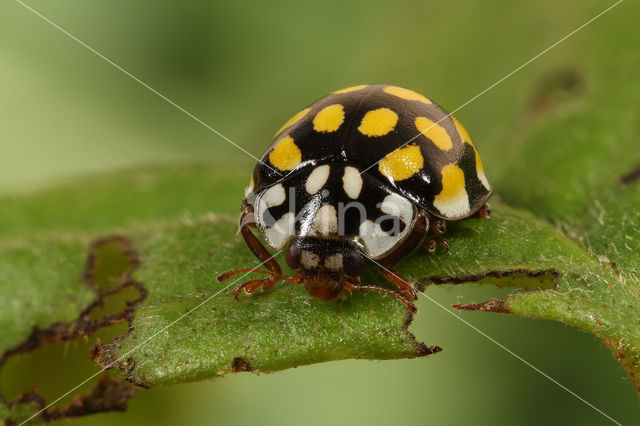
(370, 171)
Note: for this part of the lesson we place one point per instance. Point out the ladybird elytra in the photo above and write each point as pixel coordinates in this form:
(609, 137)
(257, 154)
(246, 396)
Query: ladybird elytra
(367, 172)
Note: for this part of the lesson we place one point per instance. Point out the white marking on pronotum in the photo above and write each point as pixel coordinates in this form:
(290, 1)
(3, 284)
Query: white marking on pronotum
(352, 182)
(309, 260)
(334, 262)
(317, 179)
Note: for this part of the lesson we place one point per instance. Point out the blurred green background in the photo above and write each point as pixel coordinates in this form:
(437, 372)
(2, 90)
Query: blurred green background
(244, 69)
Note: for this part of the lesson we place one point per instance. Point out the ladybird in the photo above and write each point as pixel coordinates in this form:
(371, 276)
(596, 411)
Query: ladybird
(367, 172)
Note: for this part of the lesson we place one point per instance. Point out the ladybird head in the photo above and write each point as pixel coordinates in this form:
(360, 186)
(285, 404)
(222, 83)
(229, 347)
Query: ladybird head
(325, 264)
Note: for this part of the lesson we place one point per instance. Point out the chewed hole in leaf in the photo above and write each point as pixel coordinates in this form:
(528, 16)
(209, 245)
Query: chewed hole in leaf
(41, 368)
(109, 263)
(52, 369)
(116, 303)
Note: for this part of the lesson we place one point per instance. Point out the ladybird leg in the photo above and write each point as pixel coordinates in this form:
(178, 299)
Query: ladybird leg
(443, 242)
(256, 246)
(250, 286)
(437, 227)
(357, 287)
(266, 283)
(413, 240)
(484, 212)
(400, 282)
(431, 244)
(259, 250)
(226, 275)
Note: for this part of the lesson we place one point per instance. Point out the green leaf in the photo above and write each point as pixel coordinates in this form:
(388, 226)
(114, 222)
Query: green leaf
(564, 235)
(578, 169)
(179, 259)
(190, 330)
(68, 276)
(41, 283)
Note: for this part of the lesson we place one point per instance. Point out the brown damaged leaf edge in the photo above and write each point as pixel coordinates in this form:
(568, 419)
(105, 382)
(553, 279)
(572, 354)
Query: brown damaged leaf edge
(107, 358)
(239, 364)
(421, 348)
(496, 305)
(108, 394)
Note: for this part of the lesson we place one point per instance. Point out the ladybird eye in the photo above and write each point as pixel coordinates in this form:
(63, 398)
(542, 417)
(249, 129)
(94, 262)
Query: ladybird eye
(293, 256)
(352, 263)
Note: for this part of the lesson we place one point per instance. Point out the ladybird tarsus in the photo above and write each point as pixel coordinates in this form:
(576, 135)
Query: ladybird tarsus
(483, 212)
(437, 226)
(444, 243)
(431, 244)
(251, 286)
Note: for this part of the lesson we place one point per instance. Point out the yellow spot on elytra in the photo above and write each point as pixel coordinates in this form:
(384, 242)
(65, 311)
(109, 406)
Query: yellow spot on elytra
(463, 132)
(378, 122)
(435, 132)
(350, 89)
(452, 181)
(452, 201)
(285, 155)
(467, 139)
(402, 163)
(294, 119)
(407, 94)
(329, 118)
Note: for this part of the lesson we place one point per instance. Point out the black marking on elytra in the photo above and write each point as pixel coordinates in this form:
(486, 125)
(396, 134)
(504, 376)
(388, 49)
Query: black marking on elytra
(475, 189)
